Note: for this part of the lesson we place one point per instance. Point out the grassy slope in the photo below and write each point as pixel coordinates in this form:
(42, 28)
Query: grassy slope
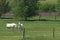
(35, 30)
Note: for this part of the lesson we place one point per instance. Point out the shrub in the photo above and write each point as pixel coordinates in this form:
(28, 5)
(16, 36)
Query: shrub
(46, 7)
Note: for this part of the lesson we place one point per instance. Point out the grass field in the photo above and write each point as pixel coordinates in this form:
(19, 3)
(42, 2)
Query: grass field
(35, 30)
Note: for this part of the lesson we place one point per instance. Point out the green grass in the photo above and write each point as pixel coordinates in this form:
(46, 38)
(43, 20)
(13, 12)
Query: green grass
(35, 30)
(45, 17)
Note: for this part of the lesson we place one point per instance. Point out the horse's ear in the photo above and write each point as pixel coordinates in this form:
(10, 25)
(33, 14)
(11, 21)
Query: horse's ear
(19, 23)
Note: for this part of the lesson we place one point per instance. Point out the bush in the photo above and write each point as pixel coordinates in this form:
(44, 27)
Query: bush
(46, 7)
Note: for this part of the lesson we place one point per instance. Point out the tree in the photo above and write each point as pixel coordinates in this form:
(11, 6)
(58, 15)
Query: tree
(18, 8)
(4, 8)
(57, 7)
(24, 8)
(32, 8)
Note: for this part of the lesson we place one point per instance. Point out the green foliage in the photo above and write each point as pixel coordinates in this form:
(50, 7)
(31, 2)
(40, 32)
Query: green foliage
(4, 7)
(32, 7)
(46, 7)
(24, 9)
(18, 8)
(58, 6)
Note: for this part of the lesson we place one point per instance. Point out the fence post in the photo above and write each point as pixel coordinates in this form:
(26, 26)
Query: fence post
(53, 32)
(24, 34)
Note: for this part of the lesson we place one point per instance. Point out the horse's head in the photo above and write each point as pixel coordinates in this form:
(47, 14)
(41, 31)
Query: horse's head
(21, 24)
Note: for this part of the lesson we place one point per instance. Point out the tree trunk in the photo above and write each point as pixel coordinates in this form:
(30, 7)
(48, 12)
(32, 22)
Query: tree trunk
(0, 16)
(25, 18)
(55, 16)
(39, 17)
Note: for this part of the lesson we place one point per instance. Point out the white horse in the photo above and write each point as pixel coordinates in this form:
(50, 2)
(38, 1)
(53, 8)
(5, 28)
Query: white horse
(10, 25)
(13, 25)
(20, 27)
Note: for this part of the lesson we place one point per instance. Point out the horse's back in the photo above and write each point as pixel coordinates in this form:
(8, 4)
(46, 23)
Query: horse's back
(10, 25)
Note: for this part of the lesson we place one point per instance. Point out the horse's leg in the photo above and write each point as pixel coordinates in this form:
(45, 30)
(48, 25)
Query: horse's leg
(7, 29)
(12, 29)
(19, 29)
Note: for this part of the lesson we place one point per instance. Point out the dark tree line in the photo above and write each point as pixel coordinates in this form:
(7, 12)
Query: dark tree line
(26, 8)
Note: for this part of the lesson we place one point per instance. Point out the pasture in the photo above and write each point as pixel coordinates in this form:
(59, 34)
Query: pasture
(35, 30)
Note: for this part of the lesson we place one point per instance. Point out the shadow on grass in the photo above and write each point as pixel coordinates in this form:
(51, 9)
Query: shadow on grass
(38, 38)
(26, 38)
(41, 20)
(6, 18)
(32, 20)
